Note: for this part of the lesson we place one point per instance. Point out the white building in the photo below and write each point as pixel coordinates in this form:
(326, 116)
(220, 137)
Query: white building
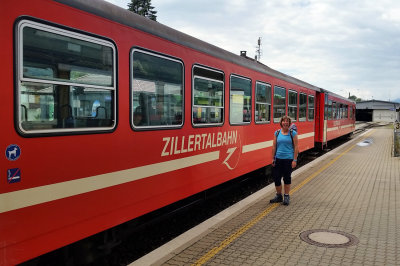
(377, 111)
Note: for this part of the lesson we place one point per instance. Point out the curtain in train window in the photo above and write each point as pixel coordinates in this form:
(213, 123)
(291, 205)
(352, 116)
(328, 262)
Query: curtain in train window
(263, 103)
(240, 100)
(292, 105)
(279, 103)
(157, 90)
(208, 96)
(66, 80)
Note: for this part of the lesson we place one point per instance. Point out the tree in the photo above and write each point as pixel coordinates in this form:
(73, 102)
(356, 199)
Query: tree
(143, 8)
(354, 98)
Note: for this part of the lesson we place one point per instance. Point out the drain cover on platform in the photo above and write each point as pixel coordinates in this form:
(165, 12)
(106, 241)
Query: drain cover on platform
(328, 238)
(365, 142)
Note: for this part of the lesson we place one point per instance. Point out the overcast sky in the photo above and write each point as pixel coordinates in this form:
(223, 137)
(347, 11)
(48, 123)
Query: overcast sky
(340, 45)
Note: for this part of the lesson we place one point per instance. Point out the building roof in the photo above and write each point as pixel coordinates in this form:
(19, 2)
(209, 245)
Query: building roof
(378, 105)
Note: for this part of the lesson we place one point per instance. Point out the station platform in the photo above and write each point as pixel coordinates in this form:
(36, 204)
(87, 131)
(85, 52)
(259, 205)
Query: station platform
(344, 210)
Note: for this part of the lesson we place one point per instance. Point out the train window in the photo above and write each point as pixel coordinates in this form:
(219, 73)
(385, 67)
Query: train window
(240, 100)
(334, 111)
(263, 103)
(329, 116)
(208, 96)
(66, 80)
(337, 111)
(303, 107)
(350, 112)
(343, 111)
(279, 103)
(157, 90)
(310, 107)
(292, 105)
(326, 110)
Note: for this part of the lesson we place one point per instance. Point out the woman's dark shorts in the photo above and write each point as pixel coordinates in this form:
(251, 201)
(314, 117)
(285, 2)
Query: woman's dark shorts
(283, 168)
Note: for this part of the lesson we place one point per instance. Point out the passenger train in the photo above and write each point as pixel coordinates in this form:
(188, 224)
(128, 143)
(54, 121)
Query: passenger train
(107, 116)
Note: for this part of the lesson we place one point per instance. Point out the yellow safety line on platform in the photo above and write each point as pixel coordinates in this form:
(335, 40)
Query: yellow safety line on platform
(255, 220)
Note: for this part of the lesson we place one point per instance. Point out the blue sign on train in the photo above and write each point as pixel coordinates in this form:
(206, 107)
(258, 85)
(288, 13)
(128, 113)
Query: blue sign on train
(13, 175)
(13, 152)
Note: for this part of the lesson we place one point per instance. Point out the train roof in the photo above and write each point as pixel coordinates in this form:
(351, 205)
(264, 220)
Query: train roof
(337, 96)
(109, 11)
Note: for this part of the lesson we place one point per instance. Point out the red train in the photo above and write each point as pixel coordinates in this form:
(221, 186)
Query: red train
(107, 116)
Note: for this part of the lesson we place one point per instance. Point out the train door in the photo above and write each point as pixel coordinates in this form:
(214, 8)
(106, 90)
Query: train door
(319, 125)
(325, 127)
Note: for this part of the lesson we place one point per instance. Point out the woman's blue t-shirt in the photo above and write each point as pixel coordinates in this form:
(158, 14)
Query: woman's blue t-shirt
(284, 146)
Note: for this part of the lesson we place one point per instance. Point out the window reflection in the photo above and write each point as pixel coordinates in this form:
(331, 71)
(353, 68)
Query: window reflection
(56, 57)
(207, 101)
(279, 103)
(292, 106)
(310, 107)
(157, 90)
(263, 103)
(303, 107)
(66, 80)
(59, 107)
(240, 100)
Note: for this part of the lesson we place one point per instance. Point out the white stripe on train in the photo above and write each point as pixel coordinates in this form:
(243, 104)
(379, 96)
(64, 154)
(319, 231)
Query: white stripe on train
(28, 197)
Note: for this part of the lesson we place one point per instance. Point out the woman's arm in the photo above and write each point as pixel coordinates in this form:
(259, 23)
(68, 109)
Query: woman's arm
(273, 150)
(296, 151)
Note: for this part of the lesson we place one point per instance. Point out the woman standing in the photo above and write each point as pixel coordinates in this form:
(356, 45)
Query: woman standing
(284, 152)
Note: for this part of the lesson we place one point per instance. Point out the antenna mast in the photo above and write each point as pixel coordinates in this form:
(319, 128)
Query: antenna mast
(258, 49)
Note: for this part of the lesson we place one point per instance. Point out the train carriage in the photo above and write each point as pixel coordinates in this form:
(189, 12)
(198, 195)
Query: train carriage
(107, 116)
(336, 117)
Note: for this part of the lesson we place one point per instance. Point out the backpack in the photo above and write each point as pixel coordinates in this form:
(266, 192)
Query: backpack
(293, 127)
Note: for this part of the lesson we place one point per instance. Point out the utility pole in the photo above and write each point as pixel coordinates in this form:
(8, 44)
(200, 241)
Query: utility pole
(258, 49)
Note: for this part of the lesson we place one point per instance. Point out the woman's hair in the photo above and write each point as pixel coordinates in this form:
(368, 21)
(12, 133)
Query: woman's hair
(285, 117)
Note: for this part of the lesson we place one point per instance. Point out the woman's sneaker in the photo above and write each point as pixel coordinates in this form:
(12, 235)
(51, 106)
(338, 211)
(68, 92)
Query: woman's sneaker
(286, 199)
(278, 198)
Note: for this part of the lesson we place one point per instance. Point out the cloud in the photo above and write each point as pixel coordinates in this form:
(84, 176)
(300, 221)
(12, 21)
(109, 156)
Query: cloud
(343, 46)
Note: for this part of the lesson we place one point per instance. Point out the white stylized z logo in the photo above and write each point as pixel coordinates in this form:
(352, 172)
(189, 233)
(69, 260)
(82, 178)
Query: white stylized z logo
(230, 152)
